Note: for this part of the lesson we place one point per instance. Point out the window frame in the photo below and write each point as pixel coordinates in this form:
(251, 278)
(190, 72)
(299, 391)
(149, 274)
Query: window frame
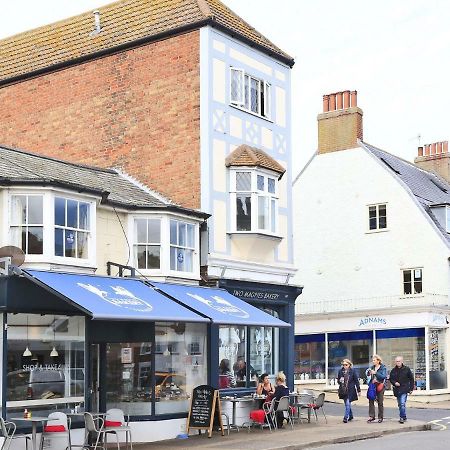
(243, 101)
(377, 217)
(412, 281)
(135, 243)
(255, 195)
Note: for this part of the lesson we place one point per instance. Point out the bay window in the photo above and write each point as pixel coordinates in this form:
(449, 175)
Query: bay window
(182, 246)
(147, 246)
(254, 200)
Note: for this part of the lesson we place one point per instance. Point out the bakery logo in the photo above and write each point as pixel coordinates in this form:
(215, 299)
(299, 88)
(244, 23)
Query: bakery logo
(221, 305)
(118, 296)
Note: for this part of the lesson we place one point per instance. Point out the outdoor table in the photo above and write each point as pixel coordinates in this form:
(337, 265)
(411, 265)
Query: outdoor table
(234, 401)
(294, 396)
(34, 422)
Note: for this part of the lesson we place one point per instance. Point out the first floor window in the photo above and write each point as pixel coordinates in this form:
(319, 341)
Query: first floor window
(182, 246)
(27, 223)
(147, 245)
(71, 228)
(377, 217)
(412, 281)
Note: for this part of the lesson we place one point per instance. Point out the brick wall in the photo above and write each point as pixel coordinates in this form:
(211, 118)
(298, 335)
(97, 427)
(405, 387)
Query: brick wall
(138, 110)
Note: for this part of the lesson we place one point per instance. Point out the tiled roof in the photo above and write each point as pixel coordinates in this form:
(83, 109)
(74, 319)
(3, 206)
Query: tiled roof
(126, 22)
(245, 155)
(428, 188)
(22, 168)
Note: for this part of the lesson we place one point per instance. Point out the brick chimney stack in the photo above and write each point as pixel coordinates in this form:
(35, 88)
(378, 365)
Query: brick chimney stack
(340, 124)
(434, 158)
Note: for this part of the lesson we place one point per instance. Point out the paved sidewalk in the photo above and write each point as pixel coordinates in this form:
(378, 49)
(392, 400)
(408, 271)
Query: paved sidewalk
(303, 436)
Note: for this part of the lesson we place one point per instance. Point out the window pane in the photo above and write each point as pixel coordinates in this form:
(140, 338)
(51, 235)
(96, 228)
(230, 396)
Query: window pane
(59, 242)
(437, 357)
(173, 232)
(309, 361)
(35, 212)
(16, 238)
(140, 256)
(236, 87)
(232, 356)
(271, 185)
(153, 257)
(406, 275)
(262, 360)
(254, 99)
(181, 234)
(154, 231)
(383, 223)
(188, 261)
(243, 181)
(273, 211)
(141, 230)
(72, 214)
(246, 93)
(69, 241)
(82, 245)
(372, 211)
(263, 213)
(173, 258)
(243, 213)
(190, 236)
(417, 274)
(84, 216)
(60, 211)
(417, 287)
(35, 240)
(373, 223)
(407, 288)
(18, 209)
(180, 259)
(260, 183)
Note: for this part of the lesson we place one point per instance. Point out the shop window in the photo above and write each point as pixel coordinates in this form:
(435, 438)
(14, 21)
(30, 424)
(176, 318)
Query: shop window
(72, 226)
(147, 243)
(412, 281)
(377, 217)
(263, 352)
(254, 196)
(309, 362)
(128, 377)
(182, 246)
(180, 364)
(232, 356)
(27, 223)
(409, 343)
(45, 363)
(249, 93)
(356, 346)
(438, 363)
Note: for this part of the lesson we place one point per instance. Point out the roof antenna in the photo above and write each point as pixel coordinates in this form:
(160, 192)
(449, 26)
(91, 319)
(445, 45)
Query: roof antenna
(98, 27)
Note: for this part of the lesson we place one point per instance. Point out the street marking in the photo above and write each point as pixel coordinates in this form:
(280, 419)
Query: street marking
(437, 424)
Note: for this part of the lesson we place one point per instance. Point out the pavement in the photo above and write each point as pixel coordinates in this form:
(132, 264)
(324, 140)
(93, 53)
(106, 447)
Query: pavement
(304, 435)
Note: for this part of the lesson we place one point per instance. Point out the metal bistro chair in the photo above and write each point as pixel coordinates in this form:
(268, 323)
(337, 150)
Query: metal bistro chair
(304, 402)
(8, 430)
(94, 428)
(285, 407)
(318, 404)
(115, 423)
(58, 425)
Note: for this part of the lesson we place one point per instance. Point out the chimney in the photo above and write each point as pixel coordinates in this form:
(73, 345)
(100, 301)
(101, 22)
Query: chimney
(97, 23)
(435, 158)
(340, 124)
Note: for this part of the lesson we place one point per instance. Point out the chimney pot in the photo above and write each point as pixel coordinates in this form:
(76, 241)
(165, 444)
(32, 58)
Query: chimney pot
(339, 96)
(420, 151)
(445, 147)
(433, 148)
(332, 102)
(346, 99)
(354, 101)
(326, 103)
(438, 148)
(97, 23)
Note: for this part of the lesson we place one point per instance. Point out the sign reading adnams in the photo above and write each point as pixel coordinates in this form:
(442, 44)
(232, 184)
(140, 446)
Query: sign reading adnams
(374, 320)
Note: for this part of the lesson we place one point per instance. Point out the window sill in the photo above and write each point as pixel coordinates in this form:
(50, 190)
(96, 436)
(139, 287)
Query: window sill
(258, 234)
(408, 296)
(251, 113)
(382, 230)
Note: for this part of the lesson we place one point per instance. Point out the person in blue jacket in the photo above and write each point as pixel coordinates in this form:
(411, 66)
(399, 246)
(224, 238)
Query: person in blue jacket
(377, 374)
(349, 389)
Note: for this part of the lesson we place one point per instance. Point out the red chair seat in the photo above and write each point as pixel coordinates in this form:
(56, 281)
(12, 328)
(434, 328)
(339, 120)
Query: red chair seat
(54, 428)
(257, 415)
(111, 423)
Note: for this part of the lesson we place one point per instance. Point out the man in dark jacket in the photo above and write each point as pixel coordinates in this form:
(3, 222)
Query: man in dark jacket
(402, 381)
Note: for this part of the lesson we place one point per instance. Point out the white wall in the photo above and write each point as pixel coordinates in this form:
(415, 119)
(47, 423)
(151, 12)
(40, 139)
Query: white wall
(336, 256)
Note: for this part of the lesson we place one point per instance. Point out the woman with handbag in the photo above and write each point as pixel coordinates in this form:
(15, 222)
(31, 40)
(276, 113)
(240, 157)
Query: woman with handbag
(377, 374)
(349, 388)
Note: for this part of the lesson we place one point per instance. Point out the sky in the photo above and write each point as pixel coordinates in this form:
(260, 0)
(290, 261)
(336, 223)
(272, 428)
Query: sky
(395, 53)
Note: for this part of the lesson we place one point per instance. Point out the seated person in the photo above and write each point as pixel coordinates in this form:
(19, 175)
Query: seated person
(281, 390)
(226, 374)
(265, 386)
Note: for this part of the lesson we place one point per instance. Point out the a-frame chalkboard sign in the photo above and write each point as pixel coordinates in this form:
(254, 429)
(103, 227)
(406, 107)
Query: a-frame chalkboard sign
(205, 410)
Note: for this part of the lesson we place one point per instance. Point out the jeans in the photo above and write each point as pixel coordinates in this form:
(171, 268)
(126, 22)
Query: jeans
(348, 409)
(401, 400)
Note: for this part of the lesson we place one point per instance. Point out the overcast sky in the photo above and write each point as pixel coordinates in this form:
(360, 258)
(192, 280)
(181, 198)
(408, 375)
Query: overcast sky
(395, 53)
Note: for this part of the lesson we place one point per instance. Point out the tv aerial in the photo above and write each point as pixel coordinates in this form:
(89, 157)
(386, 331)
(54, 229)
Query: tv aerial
(10, 255)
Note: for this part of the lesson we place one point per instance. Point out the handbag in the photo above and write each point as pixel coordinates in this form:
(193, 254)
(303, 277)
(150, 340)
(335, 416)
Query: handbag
(372, 391)
(380, 386)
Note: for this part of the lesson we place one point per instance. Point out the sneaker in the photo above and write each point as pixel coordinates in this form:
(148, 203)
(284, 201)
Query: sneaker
(345, 420)
(402, 420)
(350, 418)
(380, 420)
(371, 419)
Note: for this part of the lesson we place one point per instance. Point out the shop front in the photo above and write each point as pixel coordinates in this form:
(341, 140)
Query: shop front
(420, 337)
(85, 342)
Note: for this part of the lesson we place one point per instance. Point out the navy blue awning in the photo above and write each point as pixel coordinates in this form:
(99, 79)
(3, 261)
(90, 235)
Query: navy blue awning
(109, 298)
(219, 305)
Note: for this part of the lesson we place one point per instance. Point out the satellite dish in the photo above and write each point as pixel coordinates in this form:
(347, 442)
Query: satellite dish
(15, 253)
